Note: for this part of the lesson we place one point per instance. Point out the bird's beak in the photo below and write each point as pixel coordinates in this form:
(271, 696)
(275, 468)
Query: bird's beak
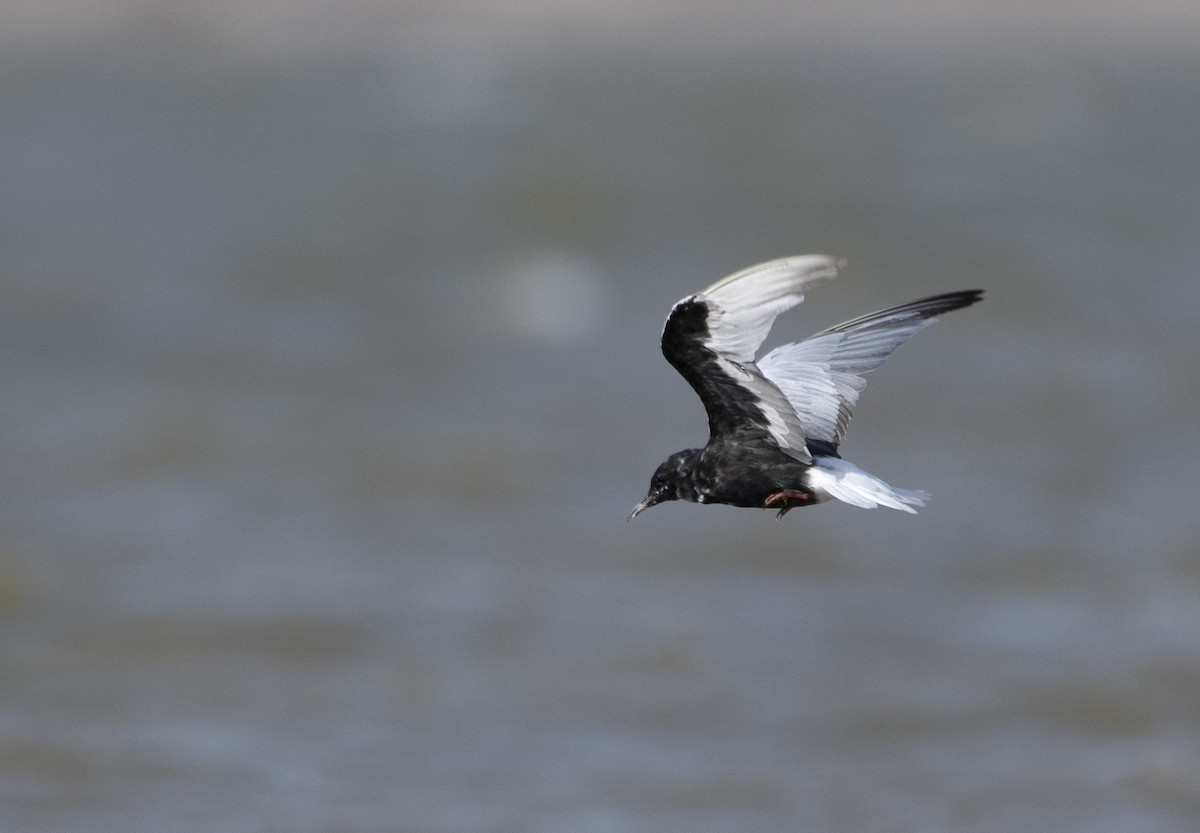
(650, 500)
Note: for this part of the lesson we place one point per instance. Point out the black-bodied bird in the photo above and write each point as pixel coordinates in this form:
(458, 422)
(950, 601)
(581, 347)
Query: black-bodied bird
(775, 425)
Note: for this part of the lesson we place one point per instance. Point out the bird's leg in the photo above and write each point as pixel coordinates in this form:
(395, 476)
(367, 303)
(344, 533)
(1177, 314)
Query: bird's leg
(782, 497)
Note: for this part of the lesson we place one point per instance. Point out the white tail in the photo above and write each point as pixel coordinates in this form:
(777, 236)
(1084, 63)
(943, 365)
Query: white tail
(834, 477)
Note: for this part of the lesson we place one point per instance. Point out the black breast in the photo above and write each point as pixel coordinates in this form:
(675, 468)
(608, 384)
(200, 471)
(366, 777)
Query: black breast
(741, 474)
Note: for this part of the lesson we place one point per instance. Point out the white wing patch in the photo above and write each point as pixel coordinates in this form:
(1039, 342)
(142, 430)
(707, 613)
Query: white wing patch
(743, 305)
(822, 375)
(834, 477)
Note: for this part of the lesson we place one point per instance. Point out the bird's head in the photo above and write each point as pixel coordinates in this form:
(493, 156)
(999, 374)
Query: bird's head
(671, 481)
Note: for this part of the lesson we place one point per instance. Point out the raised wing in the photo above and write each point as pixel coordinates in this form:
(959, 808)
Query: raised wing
(743, 306)
(822, 375)
(711, 337)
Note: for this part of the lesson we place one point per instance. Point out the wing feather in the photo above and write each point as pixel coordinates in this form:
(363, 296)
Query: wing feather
(711, 338)
(822, 375)
(745, 304)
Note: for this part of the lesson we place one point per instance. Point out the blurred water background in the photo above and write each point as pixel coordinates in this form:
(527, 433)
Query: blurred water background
(330, 369)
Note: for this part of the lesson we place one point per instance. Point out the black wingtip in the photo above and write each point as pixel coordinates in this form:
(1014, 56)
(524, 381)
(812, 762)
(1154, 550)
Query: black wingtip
(935, 305)
(930, 307)
(967, 297)
(947, 301)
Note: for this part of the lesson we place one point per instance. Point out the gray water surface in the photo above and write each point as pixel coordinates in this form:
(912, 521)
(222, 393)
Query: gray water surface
(330, 354)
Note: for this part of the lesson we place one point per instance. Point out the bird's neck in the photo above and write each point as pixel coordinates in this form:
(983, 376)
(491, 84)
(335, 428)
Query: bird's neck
(685, 472)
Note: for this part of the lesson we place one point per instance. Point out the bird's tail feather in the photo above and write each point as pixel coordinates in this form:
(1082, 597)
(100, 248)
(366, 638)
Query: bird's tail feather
(834, 477)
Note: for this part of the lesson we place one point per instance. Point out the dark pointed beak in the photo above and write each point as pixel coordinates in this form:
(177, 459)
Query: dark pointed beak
(650, 500)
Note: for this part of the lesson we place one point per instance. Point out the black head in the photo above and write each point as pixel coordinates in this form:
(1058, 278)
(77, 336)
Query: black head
(671, 481)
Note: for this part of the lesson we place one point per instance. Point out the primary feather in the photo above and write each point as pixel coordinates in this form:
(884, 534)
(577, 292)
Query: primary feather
(822, 375)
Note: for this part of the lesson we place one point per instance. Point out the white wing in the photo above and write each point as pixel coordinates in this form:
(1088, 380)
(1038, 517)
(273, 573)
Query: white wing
(822, 375)
(743, 306)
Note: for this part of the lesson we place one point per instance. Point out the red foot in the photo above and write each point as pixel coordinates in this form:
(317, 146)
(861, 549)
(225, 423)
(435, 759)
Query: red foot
(782, 497)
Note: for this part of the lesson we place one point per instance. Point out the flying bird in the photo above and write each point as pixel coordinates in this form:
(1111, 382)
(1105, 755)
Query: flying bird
(775, 424)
